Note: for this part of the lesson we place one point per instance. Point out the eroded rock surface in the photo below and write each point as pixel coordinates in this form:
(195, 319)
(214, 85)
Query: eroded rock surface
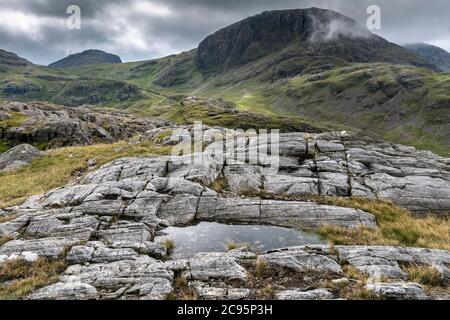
(340, 164)
(224, 275)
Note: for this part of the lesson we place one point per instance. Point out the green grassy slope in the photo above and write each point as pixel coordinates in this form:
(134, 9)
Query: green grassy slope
(401, 103)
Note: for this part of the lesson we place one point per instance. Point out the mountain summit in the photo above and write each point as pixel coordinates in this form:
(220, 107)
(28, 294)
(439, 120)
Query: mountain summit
(294, 33)
(88, 57)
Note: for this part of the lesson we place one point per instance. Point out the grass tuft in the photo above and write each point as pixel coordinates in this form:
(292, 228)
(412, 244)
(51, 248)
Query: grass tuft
(16, 120)
(397, 226)
(5, 239)
(426, 275)
(170, 246)
(24, 278)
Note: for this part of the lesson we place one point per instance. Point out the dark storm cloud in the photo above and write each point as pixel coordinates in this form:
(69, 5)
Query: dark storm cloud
(143, 29)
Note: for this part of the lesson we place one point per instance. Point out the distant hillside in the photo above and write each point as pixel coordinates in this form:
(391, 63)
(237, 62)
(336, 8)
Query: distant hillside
(298, 33)
(89, 57)
(432, 54)
(11, 59)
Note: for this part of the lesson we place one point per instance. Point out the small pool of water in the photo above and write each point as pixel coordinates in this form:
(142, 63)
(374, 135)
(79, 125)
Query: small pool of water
(214, 237)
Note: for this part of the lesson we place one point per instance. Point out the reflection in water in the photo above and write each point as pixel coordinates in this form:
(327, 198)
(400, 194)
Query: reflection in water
(213, 237)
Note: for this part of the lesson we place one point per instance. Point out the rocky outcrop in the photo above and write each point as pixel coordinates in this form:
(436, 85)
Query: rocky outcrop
(105, 224)
(214, 276)
(339, 164)
(55, 126)
(398, 291)
(18, 157)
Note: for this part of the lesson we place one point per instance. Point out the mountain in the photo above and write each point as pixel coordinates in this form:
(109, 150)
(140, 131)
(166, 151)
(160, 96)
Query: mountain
(316, 65)
(432, 54)
(298, 33)
(88, 57)
(11, 59)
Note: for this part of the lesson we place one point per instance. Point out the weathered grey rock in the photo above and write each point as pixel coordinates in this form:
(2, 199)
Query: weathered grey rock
(18, 157)
(29, 257)
(383, 261)
(205, 292)
(66, 291)
(42, 226)
(99, 254)
(50, 248)
(282, 213)
(152, 249)
(398, 291)
(153, 289)
(301, 259)
(210, 266)
(125, 231)
(318, 294)
(142, 278)
(12, 226)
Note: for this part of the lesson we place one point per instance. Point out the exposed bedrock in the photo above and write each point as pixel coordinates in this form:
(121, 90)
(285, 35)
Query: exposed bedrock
(104, 225)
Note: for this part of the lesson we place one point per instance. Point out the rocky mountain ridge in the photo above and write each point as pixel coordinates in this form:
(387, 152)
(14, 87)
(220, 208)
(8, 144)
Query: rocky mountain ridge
(313, 32)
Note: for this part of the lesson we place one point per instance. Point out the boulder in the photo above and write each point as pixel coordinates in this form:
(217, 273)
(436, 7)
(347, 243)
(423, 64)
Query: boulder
(18, 157)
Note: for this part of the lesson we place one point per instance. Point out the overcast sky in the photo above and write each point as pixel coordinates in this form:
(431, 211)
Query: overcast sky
(145, 29)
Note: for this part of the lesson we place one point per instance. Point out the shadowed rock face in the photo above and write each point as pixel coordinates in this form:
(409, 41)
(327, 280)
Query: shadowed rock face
(313, 32)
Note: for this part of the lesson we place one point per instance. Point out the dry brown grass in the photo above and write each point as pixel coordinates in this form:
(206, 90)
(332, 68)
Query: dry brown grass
(426, 275)
(267, 293)
(8, 218)
(232, 245)
(24, 278)
(181, 291)
(396, 226)
(59, 166)
(170, 246)
(355, 288)
(219, 185)
(261, 268)
(5, 239)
